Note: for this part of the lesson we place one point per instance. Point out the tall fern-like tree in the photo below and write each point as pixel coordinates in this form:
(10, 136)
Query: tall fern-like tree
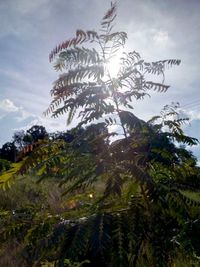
(146, 156)
(86, 86)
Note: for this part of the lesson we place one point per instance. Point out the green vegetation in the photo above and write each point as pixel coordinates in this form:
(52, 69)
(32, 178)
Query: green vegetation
(92, 197)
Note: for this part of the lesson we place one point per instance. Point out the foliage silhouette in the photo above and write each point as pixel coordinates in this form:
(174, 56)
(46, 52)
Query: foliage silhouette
(143, 215)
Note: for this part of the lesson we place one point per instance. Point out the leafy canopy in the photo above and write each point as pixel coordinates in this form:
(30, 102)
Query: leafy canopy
(86, 86)
(141, 213)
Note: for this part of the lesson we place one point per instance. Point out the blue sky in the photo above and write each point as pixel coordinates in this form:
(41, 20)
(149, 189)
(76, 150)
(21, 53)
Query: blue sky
(158, 29)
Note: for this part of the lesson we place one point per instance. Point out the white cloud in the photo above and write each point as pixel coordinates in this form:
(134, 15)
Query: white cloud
(161, 37)
(51, 125)
(6, 106)
(14, 118)
(192, 114)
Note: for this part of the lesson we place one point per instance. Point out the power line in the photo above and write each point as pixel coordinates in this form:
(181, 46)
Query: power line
(191, 107)
(196, 102)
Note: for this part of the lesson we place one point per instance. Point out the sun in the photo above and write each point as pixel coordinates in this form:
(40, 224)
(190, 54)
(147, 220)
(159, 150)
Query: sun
(113, 65)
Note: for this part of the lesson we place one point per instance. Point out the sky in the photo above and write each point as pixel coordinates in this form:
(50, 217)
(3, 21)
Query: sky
(157, 29)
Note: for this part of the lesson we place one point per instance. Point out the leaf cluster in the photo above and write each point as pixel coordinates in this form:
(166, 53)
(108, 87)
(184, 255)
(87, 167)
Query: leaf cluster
(140, 213)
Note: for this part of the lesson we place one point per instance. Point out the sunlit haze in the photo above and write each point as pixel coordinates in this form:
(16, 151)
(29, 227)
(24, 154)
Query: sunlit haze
(113, 65)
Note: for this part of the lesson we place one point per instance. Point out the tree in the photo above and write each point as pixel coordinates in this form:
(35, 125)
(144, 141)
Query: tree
(87, 85)
(4, 165)
(18, 139)
(143, 216)
(9, 151)
(37, 132)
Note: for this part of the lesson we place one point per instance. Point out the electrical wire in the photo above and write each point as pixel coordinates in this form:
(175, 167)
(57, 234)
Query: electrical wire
(193, 103)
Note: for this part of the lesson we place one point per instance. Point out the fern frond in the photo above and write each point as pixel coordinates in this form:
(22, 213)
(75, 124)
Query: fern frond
(77, 240)
(60, 90)
(120, 246)
(126, 97)
(181, 138)
(154, 119)
(61, 93)
(40, 156)
(131, 121)
(100, 238)
(76, 75)
(114, 185)
(76, 56)
(7, 178)
(71, 115)
(91, 97)
(158, 67)
(139, 174)
(109, 16)
(117, 38)
(130, 59)
(81, 36)
(189, 201)
(159, 87)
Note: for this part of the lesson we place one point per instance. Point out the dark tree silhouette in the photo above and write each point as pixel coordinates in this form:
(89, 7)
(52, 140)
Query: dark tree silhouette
(9, 151)
(36, 133)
